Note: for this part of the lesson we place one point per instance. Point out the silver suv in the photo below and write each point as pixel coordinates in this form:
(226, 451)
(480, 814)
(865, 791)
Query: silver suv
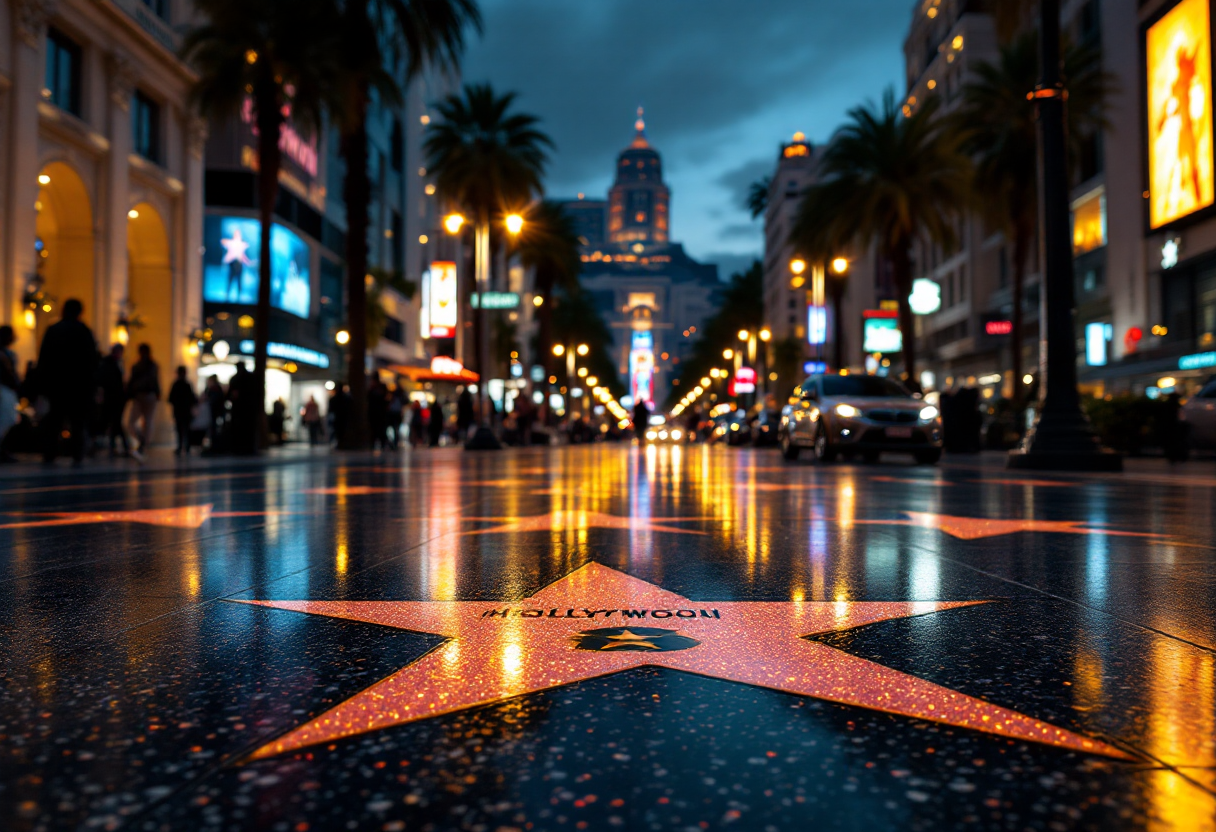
(859, 415)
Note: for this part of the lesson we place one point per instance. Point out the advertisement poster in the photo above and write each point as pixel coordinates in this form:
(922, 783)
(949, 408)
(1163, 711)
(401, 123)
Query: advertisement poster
(641, 367)
(1178, 52)
(439, 300)
(882, 335)
(230, 265)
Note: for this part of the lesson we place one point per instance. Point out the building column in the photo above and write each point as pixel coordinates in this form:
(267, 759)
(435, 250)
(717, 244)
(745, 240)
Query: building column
(16, 267)
(112, 289)
(189, 290)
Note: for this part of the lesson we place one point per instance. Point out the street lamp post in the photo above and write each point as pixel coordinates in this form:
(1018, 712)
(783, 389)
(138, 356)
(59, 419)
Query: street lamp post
(1062, 438)
(840, 268)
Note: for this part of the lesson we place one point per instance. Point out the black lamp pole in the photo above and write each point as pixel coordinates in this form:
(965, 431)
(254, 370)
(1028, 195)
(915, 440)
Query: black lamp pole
(1062, 438)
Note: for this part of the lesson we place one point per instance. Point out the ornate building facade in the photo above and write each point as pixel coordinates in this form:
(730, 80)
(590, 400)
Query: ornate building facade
(653, 296)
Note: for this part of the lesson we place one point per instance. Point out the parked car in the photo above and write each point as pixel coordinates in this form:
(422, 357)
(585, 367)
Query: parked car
(859, 415)
(731, 428)
(1199, 413)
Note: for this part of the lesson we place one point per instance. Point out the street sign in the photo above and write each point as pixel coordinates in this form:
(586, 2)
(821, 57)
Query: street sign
(497, 300)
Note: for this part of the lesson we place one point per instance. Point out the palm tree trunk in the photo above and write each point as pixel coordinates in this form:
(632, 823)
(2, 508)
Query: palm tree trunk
(1021, 246)
(356, 192)
(270, 157)
(836, 289)
(901, 267)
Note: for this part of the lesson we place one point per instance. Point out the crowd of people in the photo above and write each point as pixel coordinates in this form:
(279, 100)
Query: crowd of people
(79, 401)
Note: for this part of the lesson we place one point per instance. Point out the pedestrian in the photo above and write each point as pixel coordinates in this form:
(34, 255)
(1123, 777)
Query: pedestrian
(377, 412)
(217, 413)
(434, 427)
(143, 390)
(243, 428)
(339, 412)
(396, 412)
(641, 419)
(182, 399)
(9, 384)
(310, 414)
(278, 421)
(416, 427)
(525, 414)
(113, 392)
(464, 414)
(67, 375)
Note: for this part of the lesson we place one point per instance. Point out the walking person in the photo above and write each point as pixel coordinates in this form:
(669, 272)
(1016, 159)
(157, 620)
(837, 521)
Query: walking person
(464, 414)
(310, 414)
(396, 412)
(9, 384)
(113, 397)
(67, 375)
(416, 427)
(243, 429)
(143, 389)
(434, 425)
(182, 399)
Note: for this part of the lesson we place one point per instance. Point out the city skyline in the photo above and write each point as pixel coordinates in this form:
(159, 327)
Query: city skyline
(716, 140)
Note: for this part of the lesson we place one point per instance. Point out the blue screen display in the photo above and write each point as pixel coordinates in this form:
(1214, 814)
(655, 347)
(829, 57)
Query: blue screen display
(230, 265)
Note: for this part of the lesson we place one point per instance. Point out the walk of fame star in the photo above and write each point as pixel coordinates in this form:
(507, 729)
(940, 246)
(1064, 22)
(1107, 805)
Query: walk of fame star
(496, 651)
(182, 517)
(557, 521)
(974, 528)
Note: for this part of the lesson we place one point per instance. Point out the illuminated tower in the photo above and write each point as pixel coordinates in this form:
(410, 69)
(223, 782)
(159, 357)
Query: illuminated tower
(639, 201)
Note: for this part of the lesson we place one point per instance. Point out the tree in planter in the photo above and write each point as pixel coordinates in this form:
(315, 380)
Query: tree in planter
(371, 32)
(278, 57)
(886, 178)
(996, 127)
(549, 245)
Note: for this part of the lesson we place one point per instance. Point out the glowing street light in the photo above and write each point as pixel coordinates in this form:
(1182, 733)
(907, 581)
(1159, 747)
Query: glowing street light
(583, 349)
(728, 354)
(559, 350)
(798, 265)
(515, 223)
(766, 335)
(744, 335)
(453, 223)
(538, 300)
(840, 265)
(342, 337)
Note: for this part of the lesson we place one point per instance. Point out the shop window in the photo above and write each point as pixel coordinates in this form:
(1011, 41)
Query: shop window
(1089, 223)
(145, 126)
(62, 71)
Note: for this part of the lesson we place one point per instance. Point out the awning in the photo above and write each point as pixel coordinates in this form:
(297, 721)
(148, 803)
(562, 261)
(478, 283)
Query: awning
(425, 374)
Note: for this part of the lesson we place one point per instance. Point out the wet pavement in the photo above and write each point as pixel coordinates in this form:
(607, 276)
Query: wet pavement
(606, 638)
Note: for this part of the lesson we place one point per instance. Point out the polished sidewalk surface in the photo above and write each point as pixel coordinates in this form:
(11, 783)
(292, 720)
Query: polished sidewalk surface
(607, 638)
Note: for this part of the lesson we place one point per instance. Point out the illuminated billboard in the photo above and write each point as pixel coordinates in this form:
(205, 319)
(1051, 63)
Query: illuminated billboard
(881, 335)
(230, 265)
(1178, 52)
(439, 300)
(641, 367)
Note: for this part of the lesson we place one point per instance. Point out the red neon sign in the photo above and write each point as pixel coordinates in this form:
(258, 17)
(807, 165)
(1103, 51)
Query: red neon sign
(998, 327)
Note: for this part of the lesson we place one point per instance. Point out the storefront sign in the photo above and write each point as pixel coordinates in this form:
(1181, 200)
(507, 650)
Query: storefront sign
(926, 297)
(998, 327)
(497, 300)
(1178, 54)
(1197, 361)
(745, 380)
(816, 324)
(439, 300)
(880, 332)
(289, 352)
(1097, 335)
(815, 368)
(641, 366)
(441, 365)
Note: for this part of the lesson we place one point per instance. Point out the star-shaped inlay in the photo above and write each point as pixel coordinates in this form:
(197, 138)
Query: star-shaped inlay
(182, 517)
(498, 650)
(558, 521)
(974, 528)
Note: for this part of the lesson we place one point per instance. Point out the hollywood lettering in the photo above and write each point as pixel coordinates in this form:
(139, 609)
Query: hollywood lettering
(583, 612)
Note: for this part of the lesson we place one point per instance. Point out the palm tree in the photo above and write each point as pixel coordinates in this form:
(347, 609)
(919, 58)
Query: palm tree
(486, 159)
(997, 129)
(757, 196)
(885, 178)
(549, 245)
(428, 32)
(278, 56)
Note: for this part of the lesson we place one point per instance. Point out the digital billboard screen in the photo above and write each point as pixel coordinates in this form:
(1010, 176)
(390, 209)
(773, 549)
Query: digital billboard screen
(882, 335)
(440, 300)
(1178, 53)
(230, 265)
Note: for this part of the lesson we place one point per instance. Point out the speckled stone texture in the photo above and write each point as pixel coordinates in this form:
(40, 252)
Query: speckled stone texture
(402, 643)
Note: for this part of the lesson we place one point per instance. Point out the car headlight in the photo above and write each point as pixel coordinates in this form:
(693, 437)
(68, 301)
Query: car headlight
(734, 426)
(928, 414)
(675, 434)
(651, 435)
(662, 434)
(847, 411)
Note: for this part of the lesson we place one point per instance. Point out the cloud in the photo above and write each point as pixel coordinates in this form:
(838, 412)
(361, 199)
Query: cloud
(730, 263)
(723, 83)
(752, 231)
(738, 181)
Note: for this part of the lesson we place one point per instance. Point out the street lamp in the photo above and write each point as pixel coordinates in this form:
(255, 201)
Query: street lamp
(1062, 438)
(452, 223)
(840, 265)
(797, 268)
(515, 223)
(583, 349)
(728, 354)
(342, 337)
(835, 287)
